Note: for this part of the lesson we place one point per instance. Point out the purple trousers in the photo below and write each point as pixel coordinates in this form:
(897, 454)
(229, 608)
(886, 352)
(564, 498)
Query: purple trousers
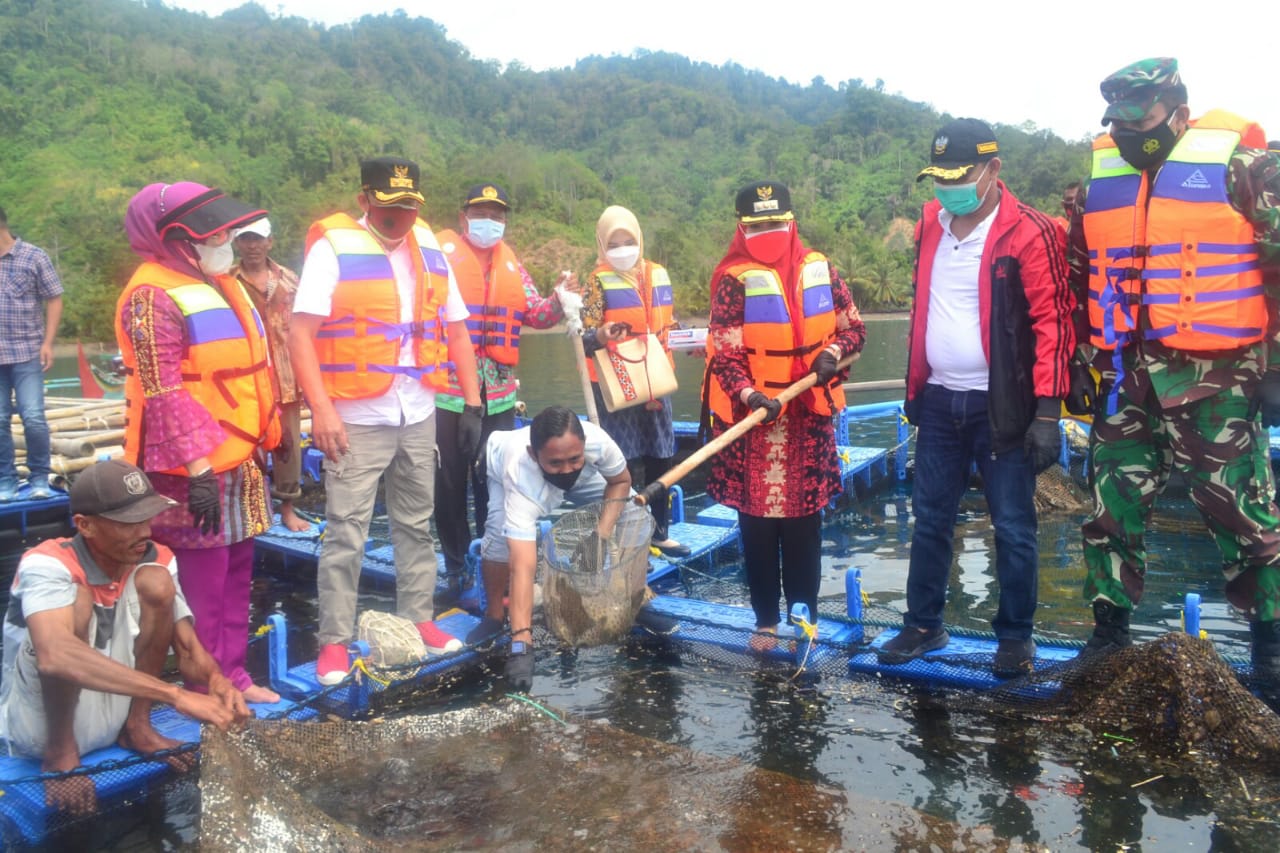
(216, 584)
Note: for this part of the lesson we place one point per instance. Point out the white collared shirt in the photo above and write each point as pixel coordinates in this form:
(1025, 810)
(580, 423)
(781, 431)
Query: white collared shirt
(408, 400)
(953, 335)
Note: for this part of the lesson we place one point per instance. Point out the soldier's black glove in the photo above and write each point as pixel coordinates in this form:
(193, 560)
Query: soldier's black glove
(1267, 399)
(1083, 394)
(760, 400)
(825, 367)
(1043, 443)
(203, 502)
(470, 426)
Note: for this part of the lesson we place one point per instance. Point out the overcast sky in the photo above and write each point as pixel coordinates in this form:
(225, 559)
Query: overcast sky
(1006, 62)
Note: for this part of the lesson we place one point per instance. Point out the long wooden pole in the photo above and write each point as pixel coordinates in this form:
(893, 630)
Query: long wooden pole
(571, 304)
(656, 489)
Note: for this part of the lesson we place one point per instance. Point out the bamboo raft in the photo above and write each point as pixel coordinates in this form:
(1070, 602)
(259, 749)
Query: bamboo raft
(81, 432)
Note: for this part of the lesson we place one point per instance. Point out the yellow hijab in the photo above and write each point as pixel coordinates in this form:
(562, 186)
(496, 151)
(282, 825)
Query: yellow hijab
(617, 218)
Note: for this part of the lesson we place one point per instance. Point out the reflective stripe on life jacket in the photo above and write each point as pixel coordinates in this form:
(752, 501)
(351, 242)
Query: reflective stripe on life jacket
(224, 366)
(1175, 249)
(497, 304)
(359, 344)
(776, 356)
(623, 303)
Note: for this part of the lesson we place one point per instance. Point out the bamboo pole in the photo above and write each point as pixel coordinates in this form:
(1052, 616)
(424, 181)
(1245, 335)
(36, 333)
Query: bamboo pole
(658, 487)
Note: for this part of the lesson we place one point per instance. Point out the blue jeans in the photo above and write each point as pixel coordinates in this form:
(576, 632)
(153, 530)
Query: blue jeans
(954, 431)
(25, 380)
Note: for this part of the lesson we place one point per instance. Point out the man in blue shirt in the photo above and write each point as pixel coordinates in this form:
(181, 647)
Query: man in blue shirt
(27, 279)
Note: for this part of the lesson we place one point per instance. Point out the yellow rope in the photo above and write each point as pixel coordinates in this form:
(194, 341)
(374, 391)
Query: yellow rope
(810, 631)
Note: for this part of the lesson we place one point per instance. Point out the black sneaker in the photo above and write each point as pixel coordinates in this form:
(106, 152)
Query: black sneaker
(487, 631)
(1014, 658)
(911, 643)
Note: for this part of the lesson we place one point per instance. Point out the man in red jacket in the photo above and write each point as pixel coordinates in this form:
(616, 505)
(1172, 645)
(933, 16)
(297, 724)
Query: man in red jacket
(990, 337)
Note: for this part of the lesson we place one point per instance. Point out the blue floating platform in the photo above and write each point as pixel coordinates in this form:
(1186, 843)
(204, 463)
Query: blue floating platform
(353, 697)
(867, 465)
(377, 570)
(118, 774)
(965, 662)
(727, 628)
(25, 511)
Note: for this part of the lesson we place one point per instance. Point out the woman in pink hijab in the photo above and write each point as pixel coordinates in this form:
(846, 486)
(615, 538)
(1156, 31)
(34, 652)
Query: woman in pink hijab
(200, 405)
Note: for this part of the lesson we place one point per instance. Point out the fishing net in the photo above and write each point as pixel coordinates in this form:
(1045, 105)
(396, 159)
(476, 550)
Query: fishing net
(512, 777)
(393, 640)
(593, 586)
(1174, 696)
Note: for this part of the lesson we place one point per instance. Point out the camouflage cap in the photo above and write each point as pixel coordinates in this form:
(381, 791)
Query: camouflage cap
(1132, 91)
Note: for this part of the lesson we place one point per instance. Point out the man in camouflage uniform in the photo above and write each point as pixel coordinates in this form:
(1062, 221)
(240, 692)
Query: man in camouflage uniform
(1178, 390)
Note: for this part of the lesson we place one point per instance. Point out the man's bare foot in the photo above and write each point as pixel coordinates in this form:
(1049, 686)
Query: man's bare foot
(258, 694)
(292, 521)
(75, 795)
(763, 640)
(146, 739)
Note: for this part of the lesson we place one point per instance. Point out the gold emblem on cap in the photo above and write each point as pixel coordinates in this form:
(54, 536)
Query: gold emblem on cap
(489, 192)
(988, 147)
(400, 178)
(764, 193)
(940, 145)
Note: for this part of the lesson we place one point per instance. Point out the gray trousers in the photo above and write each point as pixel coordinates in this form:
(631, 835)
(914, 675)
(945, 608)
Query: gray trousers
(407, 455)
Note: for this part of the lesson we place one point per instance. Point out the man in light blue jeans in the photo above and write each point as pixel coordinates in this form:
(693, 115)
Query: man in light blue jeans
(27, 280)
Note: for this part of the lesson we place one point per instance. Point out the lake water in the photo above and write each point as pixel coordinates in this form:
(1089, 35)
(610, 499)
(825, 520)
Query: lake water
(884, 746)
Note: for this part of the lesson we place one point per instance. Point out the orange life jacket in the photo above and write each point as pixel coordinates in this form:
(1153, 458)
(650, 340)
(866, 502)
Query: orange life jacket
(358, 345)
(769, 334)
(1175, 248)
(497, 303)
(224, 366)
(623, 303)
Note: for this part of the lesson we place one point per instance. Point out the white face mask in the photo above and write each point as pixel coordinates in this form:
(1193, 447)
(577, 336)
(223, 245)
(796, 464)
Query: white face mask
(216, 260)
(623, 258)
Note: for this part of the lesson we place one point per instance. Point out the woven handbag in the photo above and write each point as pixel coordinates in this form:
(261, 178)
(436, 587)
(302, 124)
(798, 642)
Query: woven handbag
(633, 372)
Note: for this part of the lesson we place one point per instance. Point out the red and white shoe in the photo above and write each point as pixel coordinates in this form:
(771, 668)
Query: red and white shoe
(437, 641)
(331, 666)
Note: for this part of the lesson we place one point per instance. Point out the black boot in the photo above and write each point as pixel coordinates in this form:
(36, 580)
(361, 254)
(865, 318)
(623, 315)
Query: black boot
(1110, 629)
(1266, 651)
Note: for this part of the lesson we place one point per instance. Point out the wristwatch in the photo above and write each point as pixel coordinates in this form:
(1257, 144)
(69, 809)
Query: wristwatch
(518, 647)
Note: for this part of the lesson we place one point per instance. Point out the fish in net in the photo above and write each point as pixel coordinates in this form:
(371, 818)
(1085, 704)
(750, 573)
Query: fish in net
(594, 586)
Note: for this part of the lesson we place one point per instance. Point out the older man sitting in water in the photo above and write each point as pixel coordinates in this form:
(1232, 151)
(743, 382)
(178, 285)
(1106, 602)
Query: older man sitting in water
(90, 622)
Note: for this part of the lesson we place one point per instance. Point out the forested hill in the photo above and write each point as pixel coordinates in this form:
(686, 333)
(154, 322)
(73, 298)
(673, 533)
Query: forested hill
(100, 98)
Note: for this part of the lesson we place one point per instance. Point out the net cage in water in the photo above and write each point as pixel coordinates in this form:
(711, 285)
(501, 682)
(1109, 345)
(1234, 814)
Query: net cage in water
(511, 777)
(593, 586)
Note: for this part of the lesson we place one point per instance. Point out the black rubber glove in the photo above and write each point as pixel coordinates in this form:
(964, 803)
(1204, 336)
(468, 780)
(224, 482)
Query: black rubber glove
(760, 400)
(203, 502)
(1043, 443)
(1267, 399)
(519, 672)
(1083, 394)
(470, 425)
(825, 367)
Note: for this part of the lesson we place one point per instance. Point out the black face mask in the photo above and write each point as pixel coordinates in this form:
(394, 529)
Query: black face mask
(1143, 149)
(563, 481)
